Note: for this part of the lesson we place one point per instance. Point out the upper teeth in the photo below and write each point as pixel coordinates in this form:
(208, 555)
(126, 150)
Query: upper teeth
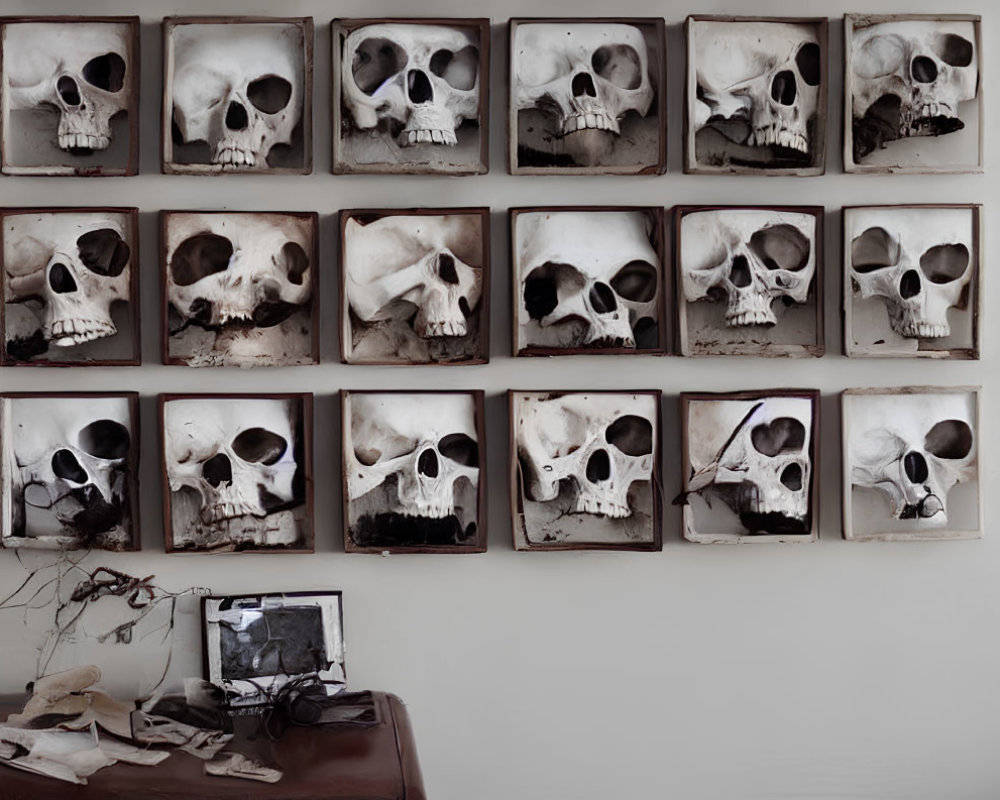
(228, 153)
(421, 136)
(779, 136)
(67, 140)
(599, 120)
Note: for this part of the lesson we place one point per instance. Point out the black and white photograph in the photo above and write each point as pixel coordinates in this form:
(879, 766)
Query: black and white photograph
(237, 473)
(913, 93)
(585, 470)
(756, 95)
(587, 280)
(69, 471)
(587, 97)
(749, 465)
(240, 289)
(71, 287)
(911, 463)
(414, 465)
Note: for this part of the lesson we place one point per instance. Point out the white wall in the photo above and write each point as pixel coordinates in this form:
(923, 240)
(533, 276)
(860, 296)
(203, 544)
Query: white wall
(825, 670)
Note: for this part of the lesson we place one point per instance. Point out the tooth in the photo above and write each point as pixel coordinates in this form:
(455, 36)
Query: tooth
(570, 125)
(591, 120)
(436, 136)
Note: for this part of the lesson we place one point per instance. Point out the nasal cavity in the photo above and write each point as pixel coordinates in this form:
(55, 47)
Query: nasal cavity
(915, 466)
(427, 464)
(923, 69)
(602, 298)
(583, 84)
(739, 275)
(446, 268)
(598, 466)
(66, 466)
(418, 86)
(791, 477)
(909, 284)
(61, 279)
(218, 470)
(236, 117)
(783, 87)
(68, 90)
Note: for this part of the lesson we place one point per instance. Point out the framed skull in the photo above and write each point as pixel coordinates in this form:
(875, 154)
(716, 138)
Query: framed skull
(587, 96)
(749, 280)
(414, 472)
(756, 95)
(588, 279)
(69, 91)
(749, 461)
(911, 463)
(71, 287)
(911, 281)
(411, 95)
(237, 95)
(585, 470)
(69, 471)
(237, 472)
(240, 288)
(912, 93)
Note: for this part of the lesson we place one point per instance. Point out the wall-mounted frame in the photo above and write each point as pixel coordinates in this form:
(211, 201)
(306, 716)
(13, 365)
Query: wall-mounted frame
(70, 470)
(411, 96)
(414, 471)
(912, 278)
(585, 470)
(756, 95)
(69, 96)
(237, 472)
(749, 280)
(913, 95)
(749, 461)
(71, 287)
(587, 96)
(237, 95)
(414, 286)
(239, 289)
(911, 463)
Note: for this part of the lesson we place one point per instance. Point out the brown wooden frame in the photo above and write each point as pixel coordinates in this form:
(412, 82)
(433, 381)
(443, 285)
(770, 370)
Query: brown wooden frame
(658, 241)
(308, 523)
(167, 164)
(687, 521)
(132, 215)
(479, 546)
(818, 164)
(343, 26)
(135, 541)
(314, 298)
(659, 33)
(132, 164)
(686, 348)
(517, 495)
(483, 212)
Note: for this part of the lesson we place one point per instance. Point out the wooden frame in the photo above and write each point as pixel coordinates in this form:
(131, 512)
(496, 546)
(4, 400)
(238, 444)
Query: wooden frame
(91, 167)
(657, 238)
(971, 294)
(654, 29)
(817, 164)
(132, 229)
(477, 541)
(718, 343)
(892, 529)
(518, 525)
(696, 480)
(888, 165)
(344, 164)
(305, 430)
(171, 167)
(311, 218)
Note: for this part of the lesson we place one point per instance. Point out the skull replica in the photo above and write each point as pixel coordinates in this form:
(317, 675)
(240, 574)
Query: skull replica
(420, 82)
(909, 79)
(231, 466)
(748, 258)
(918, 261)
(239, 88)
(240, 287)
(586, 77)
(587, 279)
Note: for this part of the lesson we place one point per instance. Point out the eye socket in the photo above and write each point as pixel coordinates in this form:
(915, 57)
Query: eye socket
(636, 281)
(106, 439)
(296, 262)
(106, 72)
(880, 55)
(460, 448)
(269, 94)
(199, 256)
(945, 263)
(950, 438)
(459, 69)
(618, 64)
(953, 50)
(541, 287)
(781, 247)
(376, 60)
(874, 249)
(260, 446)
(536, 67)
(809, 64)
(103, 252)
(631, 434)
(781, 435)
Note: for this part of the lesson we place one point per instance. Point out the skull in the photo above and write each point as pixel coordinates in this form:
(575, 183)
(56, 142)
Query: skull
(238, 87)
(420, 80)
(587, 279)
(748, 258)
(79, 69)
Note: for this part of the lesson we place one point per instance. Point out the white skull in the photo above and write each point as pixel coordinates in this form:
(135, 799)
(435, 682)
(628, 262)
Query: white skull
(77, 263)
(599, 444)
(587, 279)
(80, 69)
(238, 87)
(420, 79)
(747, 258)
(917, 260)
